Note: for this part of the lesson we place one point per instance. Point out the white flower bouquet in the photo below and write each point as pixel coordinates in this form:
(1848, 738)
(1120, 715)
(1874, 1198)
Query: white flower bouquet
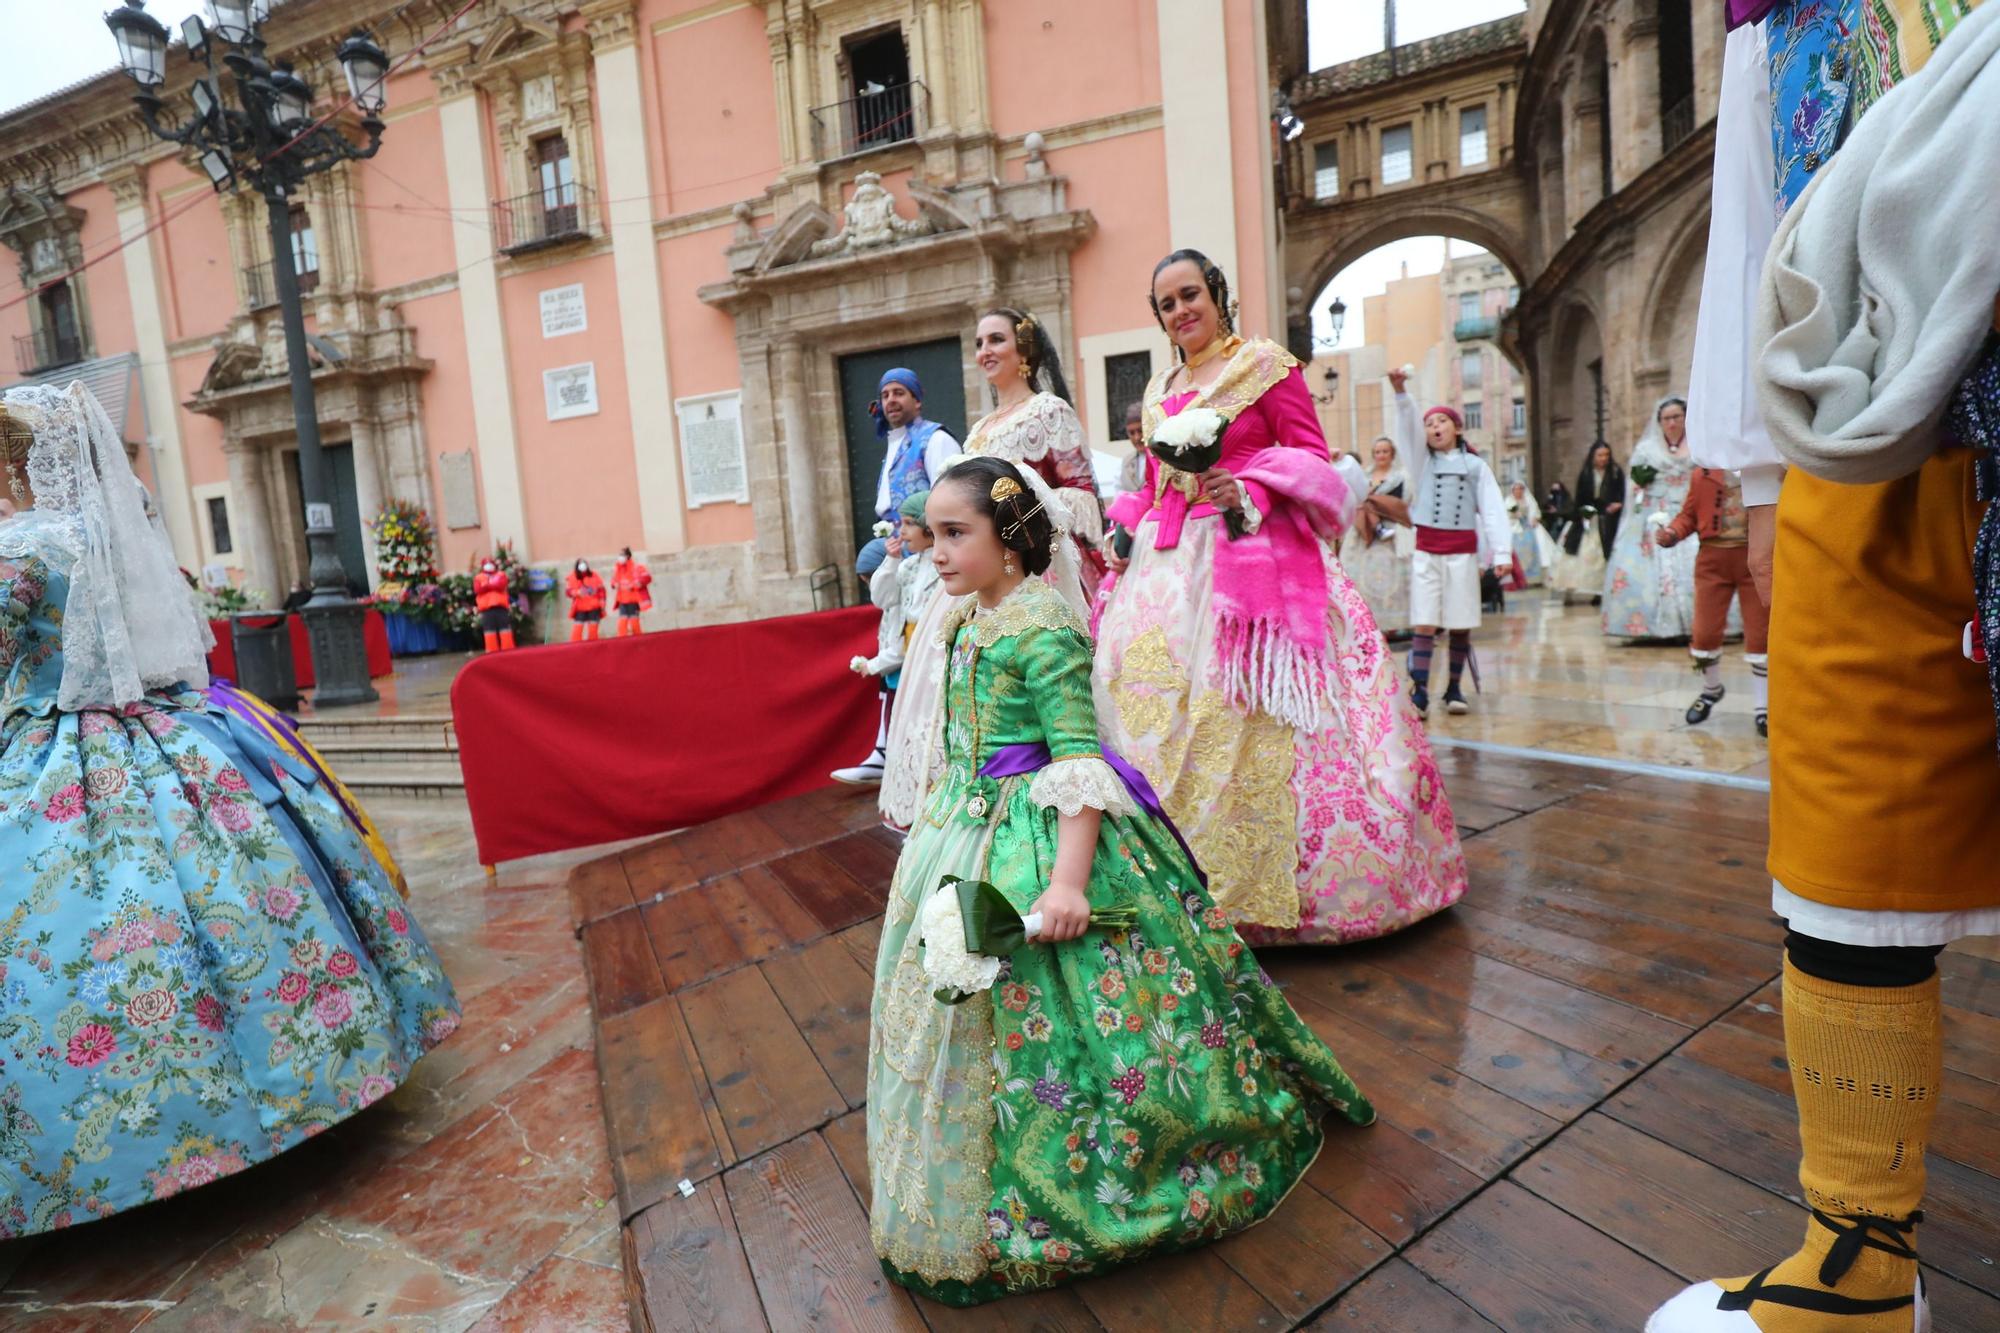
(1191, 441)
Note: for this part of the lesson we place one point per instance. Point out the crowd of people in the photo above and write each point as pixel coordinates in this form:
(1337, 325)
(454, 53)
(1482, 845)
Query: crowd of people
(1158, 735)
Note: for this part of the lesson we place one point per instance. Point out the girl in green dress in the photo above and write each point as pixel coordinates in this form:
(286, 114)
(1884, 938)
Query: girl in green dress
(1115, 1092)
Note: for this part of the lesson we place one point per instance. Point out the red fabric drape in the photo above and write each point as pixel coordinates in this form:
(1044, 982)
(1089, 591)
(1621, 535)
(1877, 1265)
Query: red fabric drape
(573, 745)
(374, 634)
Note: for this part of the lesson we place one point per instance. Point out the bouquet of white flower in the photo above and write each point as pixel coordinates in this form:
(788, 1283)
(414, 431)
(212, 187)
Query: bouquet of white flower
(1191, 441)
(884, 529)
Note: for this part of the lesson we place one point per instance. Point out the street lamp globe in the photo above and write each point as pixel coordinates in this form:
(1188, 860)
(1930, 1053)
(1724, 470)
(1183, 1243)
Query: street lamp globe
(236, 21)
(1337, 312)
(142, 43)
(291, 97)
(367, 71)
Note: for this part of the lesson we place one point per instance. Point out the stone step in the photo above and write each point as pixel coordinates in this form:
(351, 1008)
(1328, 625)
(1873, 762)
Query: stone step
(391, 750)
(378, 778)
(392, 731)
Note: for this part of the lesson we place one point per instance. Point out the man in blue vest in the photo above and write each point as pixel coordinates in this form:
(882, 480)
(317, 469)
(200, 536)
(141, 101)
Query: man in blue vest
(916, 452)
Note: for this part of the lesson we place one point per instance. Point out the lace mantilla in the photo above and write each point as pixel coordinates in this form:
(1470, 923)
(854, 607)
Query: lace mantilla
(1032, 605)
(129, 623)
(1070, 785)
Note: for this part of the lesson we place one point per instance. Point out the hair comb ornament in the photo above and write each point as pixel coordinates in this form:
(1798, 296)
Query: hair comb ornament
(1006, 488)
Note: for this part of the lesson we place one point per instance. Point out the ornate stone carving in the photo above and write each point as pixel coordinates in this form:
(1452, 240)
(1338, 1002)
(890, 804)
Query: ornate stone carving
(872, 221)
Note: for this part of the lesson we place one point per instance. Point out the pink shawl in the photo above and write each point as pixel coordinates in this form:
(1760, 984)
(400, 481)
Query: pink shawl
(1270, 587)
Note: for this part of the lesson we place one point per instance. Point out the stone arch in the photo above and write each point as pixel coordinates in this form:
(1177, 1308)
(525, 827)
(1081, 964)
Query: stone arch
(1464, 224)
(1672, 298)
(1570, 420)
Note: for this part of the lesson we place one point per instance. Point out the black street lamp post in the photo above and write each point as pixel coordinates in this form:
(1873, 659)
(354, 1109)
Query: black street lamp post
(270, 143)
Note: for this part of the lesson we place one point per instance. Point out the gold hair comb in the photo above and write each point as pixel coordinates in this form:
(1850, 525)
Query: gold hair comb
(1006, 488)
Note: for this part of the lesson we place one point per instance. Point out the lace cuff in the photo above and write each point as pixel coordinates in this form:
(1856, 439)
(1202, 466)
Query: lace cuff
(1253, 517)
(1069, 785)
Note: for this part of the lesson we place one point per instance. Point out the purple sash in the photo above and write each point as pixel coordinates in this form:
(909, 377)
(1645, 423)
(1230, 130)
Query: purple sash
(1013, 761)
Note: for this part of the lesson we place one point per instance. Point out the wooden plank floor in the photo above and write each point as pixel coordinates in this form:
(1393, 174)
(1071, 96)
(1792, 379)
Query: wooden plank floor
(1580, 1073)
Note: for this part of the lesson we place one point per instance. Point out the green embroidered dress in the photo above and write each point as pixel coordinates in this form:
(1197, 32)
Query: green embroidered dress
(1124, 1094)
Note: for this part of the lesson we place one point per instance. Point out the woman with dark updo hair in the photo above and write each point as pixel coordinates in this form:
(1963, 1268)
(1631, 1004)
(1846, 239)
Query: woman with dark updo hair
(1034, 424)
(1239, 667)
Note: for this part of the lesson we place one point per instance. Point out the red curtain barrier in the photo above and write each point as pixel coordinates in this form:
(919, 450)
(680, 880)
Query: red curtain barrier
(577, 744)
(374, 634)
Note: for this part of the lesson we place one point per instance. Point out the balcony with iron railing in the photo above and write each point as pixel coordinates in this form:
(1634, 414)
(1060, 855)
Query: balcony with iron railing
(1676, 123)
(45, 350)
(870, 120)
(1480, 328)
(542, 218)
(260, 284)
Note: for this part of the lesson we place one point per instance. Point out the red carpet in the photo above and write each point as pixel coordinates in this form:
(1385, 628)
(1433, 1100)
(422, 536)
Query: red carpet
(573, 745)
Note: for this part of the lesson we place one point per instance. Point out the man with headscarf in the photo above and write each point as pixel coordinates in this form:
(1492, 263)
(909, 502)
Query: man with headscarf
(917, 451)
(1461, 526)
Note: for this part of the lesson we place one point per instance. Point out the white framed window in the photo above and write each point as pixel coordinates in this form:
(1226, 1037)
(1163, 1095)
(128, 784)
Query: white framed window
(1475, 416)
(1519, 424)
(1468, 305)
(1396, 149)
(1472, 136)
(1471, 370)
(1326, 171)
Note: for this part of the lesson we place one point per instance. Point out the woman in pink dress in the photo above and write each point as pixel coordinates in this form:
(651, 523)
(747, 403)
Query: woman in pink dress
(1245, 676)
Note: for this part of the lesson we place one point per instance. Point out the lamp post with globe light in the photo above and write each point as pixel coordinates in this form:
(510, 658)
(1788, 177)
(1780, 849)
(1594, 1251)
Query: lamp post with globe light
(266, 140)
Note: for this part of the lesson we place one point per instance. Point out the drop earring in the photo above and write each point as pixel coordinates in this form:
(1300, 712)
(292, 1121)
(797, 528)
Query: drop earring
(1007, 565)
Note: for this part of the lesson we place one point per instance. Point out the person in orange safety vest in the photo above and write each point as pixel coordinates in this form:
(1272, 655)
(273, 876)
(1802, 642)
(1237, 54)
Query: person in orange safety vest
(629, 582)
(490, 598)
(586, 602)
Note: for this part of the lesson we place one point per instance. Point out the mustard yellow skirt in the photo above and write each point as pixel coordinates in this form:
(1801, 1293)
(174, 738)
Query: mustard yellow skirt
(1885, 784)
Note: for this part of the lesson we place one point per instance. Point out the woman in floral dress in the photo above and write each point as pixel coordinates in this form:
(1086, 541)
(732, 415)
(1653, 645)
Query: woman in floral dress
(1648, 588)
(201, 963)
(1114, 1093)
(1246, 677)
(1368, 550)
(1033, 422)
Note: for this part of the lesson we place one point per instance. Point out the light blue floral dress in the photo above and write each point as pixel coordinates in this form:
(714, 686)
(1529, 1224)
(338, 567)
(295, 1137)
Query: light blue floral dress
(201, 965)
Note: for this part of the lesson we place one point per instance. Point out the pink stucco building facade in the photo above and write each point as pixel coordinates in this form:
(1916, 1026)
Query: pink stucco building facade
(624, 271)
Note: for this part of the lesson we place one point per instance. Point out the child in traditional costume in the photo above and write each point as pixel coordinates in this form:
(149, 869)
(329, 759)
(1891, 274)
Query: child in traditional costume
(1461, 525)
(1376, 550)
(902, 589)
(1126, 1082)
(878, 574)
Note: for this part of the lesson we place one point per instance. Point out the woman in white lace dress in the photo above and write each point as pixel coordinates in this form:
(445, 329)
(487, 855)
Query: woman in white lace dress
(1033, 423)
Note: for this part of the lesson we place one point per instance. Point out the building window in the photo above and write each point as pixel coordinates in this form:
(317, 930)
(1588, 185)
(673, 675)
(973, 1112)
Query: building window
(1596, 369)
(1468, 305)
(1513, 297)
(1395, 154)
(1474, 416)
(1472, 137)
(1603, 80)
(1326, 171)
(305, 249)
(878, 81)
(218, 525)
(1518, 425)
(1125, 376)
(555, 183)
(1676, 46)
(1471, 370)
(59, 341)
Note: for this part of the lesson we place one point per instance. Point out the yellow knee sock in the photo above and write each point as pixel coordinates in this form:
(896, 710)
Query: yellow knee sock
(1867, 1063)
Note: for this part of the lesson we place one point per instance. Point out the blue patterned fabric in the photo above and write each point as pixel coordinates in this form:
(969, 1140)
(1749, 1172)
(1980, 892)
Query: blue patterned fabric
(908, 473)
(1974, 419)
(1812, 51)
(201, 964)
